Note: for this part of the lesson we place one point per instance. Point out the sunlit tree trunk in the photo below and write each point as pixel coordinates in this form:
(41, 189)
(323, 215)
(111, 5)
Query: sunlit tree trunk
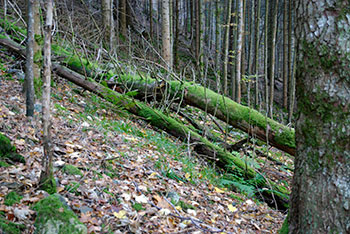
(320, 201)
(166, 42)
(226, 43)
(47, 181)
(37, 40)
(108, 23)
(29, 76)
(251, 49)
(176, 33)
(240, 47)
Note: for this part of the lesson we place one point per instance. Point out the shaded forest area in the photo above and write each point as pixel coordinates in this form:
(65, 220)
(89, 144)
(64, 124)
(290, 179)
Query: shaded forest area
(218, 77)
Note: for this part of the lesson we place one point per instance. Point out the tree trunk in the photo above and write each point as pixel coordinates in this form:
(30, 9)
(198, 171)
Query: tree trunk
(151, 19)
(47, 181)
(257, 45)
(37, 39)
(176, 33)
(320, 201)
(29, 76)
(273, 56)
(108, 24)
(240, 47)
(166, 43)
(122, 17)
(226, 43)
(217, 41)
(266, 50)
(285, 54)
(251, 50)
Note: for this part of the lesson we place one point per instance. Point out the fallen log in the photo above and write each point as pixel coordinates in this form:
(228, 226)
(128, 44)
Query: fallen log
(238, 116)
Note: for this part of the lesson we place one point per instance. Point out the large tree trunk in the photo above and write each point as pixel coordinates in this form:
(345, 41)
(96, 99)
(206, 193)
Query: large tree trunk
(226, 44)
(240, 47)
(108, 23)
(320, 194)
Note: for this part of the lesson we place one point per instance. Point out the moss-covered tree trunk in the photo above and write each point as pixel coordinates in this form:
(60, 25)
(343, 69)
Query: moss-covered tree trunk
(321, 189)
(238, 116)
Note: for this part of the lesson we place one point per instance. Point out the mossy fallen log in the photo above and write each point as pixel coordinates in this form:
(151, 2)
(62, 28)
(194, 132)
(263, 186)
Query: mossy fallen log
(8, 151)
(238, 116)
(221, 157)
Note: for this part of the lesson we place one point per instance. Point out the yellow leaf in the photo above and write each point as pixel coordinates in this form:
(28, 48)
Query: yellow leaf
(232, 208)
(187, 175)
(121, 214)
(178, 207)
(219, 190)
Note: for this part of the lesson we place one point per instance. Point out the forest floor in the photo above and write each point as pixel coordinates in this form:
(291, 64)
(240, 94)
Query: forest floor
(118, 174)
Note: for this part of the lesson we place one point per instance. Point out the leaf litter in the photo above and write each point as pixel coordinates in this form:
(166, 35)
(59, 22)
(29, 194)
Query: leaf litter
(119, 190)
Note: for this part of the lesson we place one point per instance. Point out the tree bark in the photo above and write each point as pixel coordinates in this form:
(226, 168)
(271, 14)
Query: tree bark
(273, 56)
(257, 45)
(285, 54)
(122, 10)
(226, 43)
(46, 177)
(108, 23)
(166, 43)
(320, 201)
(240, 47)
(29, 76)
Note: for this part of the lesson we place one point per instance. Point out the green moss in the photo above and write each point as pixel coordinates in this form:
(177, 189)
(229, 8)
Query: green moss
(72, 187)
(285, 227)
(12, 198)
(54, 217)
(71, 170)
(9, 227)
(4, 164)
(49, 185)
(7, 150)
(138, 207)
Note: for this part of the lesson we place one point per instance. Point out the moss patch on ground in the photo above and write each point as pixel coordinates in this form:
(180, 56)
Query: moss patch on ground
(53, 216)
(9, 227)
(71, 170)
(7, 150)
(12, 198)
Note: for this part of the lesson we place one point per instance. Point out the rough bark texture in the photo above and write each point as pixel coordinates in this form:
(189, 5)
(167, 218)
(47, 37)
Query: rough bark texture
(30, 59)
(321, 188)
(108, 23)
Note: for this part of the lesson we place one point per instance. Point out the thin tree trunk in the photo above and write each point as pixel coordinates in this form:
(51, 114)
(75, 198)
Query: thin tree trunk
(176, 38)
(257, 45)
(108, 24)
(239, 51)
(266, 55)
(47, 181)
(285, 54)
(290, 63)
(273, 58)
(29, 76)
(217, 39)
(166, 43)
(226, 45)
(37, 39)
(122, 10)
(151, 19)
(251, 49)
